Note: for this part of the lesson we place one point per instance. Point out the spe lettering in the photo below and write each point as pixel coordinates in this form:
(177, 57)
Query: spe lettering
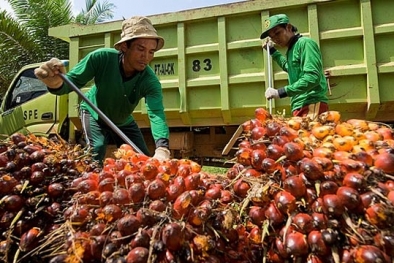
(30, 114)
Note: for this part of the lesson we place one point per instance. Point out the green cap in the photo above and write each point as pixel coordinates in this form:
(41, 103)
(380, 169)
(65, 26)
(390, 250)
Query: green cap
(272, 22)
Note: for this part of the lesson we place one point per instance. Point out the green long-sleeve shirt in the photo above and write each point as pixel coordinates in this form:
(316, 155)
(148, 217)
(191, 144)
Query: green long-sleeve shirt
(116, 96)
(303, 63)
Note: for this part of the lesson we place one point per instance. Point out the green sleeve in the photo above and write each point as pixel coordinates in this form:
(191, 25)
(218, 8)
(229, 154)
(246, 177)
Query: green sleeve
(155, 108)
(280, 60)
(309, 73)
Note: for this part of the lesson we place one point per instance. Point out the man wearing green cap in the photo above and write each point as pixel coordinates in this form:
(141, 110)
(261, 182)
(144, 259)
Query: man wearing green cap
(122, 77)
(303, 63)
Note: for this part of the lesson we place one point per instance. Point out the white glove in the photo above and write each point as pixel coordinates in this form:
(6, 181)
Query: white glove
(268, 43)
(162, 154)
(48, 73)
(271, 93)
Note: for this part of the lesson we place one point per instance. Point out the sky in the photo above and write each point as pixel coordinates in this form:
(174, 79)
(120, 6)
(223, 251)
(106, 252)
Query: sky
(126, 8)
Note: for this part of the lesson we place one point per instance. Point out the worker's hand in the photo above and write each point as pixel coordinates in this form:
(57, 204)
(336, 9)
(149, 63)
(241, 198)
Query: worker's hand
(162, 154)
(271, 93)
(49, 71)
(267, 43)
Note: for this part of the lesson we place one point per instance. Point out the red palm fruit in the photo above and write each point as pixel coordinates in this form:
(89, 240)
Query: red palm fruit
(317, 244)
(258, 133)
(311, 169)
(293, 151)
(156, 189)
(328, 187)
(241, 188)
(142, 239)
(349, 197)
(296, 244)
(121, 177)
(29, 239)
(269, 165)
(319, 220)
(369, 254)
(184, 169)
(107, 184)
(295, 185)
(288, 132)
(97, 229)
(273, 214)
(243, 156)
(199, 215)
(138, 255)
(280, 140)
(121, 196)
(128, 225)
(355, 181)
(303, 223)
(272, 128)
(88, 185)
(257, 158)
(157, 205)
(332, 205)
(149, 170)
(137, 192)
(172, 236)
(262, 114)
(106, 198)
(385, 162)
(172, 192)
(226, 196)
(182, 205)
(112, 212)
(192, 182)
(257, 215)
(285, 202)
(274, 151)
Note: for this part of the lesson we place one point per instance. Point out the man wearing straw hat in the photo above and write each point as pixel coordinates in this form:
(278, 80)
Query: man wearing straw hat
(122, 77)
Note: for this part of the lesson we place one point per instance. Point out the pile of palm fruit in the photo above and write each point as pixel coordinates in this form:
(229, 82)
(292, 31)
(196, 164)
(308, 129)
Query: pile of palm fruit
(299, 190)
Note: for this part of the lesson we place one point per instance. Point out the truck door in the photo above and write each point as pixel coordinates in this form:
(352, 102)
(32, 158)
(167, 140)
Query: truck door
(28, 106)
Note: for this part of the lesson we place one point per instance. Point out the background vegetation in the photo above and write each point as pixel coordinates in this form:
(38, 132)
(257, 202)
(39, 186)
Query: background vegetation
(24, 32)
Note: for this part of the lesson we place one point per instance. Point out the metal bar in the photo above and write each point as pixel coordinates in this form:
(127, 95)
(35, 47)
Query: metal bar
(269, 69)
(100, 114)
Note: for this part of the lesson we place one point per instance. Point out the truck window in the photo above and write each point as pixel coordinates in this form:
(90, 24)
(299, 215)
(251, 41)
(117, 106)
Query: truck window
(26, 88)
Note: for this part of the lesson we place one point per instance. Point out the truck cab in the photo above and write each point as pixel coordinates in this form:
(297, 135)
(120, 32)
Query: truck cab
(28, 107)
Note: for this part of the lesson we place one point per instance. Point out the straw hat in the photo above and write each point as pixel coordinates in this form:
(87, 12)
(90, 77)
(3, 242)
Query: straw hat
(138, 27)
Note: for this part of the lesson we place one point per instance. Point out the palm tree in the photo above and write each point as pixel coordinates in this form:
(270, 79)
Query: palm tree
(24, 35)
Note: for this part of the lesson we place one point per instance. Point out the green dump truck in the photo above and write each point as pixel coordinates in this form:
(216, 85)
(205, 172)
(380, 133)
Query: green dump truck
(214, 74)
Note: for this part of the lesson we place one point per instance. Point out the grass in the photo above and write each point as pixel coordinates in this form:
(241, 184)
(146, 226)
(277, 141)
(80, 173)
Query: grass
(214, 170)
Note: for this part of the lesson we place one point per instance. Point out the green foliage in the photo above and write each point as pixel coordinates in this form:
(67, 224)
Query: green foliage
(24, 35)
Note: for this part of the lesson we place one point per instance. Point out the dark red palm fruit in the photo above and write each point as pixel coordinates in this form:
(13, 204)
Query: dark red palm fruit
(328, 187)
(354, 180)
(369, 254)
(273, 128)
(257, 158)
(319, 220)
(87, 185)
(141, 239)
(138, 255)
(311, 169)
(317, 244)
(157, 205)
(105, 198)
(199, 215)
(112, 213)
(332, 205)
(258, 133)
(128, 225)
(13, 203)
(193, 181)
(311, 196)
(137, 192)
(274, 151)
(288, 132)
(172, 235)
(257, 215)
(293, 151)
(121, 177)
(368, 198)
(226, 196)
(296, 244)
(147, 217)
(97, 245)
(156, 189)
(385, 162)
(269, 165)
(241, 188)
(303, 222)
(97, 229)
(149, 170)
(285, 202)
(121, 196)
(172, 192)
(29, 239)
(324, 162)
(349, 197)
(295, 185)
(274, 215)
